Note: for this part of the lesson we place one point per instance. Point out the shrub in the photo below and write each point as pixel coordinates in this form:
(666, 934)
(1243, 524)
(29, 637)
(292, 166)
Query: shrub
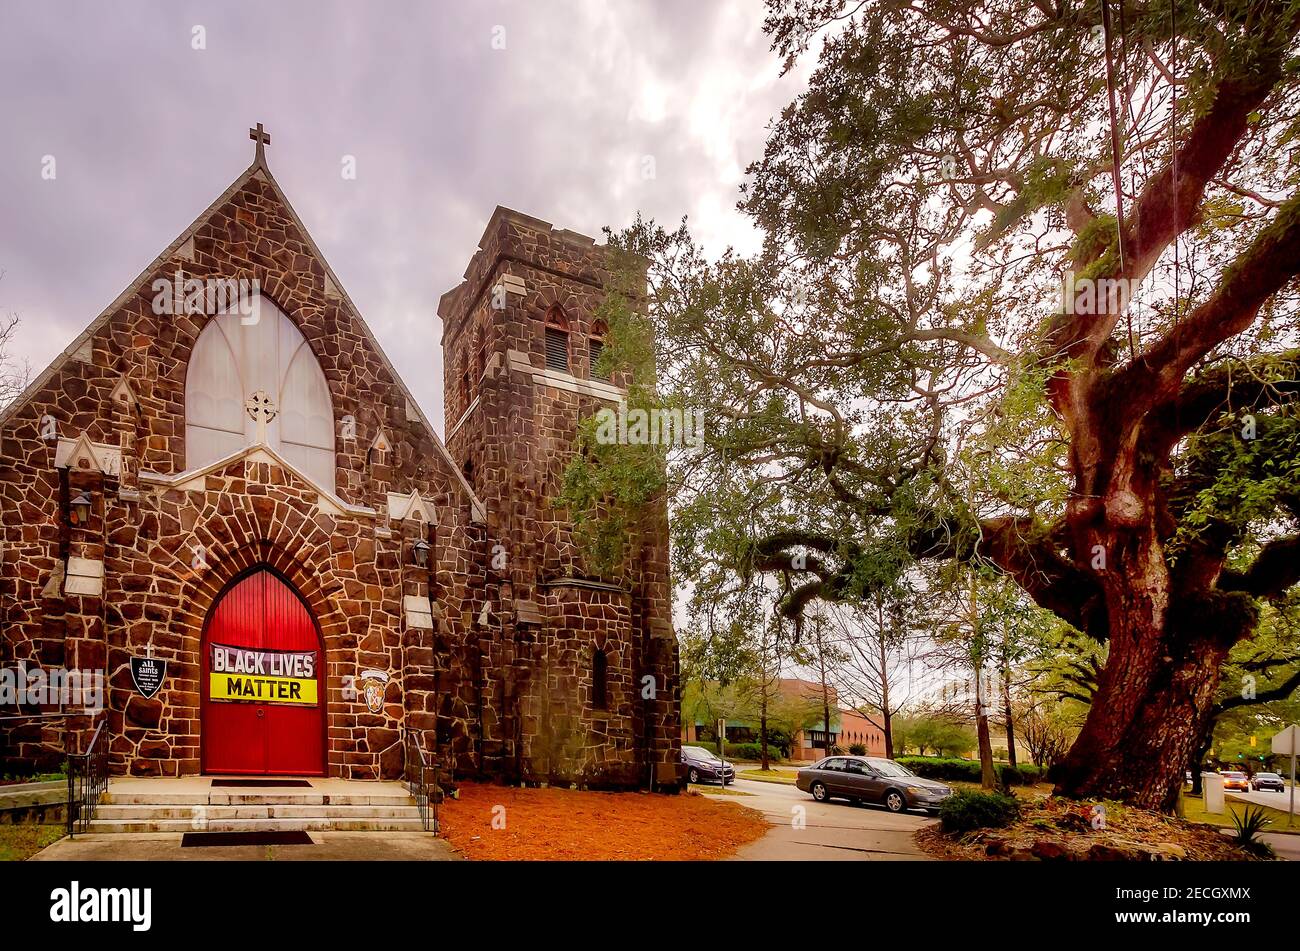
(1250, 822)
(781, 740)
(752, 751)
(968, 770)
(964, 810)
(936, 767)
(1026, 774)
(857, 749)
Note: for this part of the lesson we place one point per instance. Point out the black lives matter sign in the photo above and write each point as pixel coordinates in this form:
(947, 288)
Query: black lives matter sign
(245, 674)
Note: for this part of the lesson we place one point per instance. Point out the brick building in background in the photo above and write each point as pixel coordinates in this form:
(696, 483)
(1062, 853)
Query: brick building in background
(254, 498)
(801, 700)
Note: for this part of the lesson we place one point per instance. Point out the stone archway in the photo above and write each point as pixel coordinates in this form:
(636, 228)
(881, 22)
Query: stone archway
(262, 682)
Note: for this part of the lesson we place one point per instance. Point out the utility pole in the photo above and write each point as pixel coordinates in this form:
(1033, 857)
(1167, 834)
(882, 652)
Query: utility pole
(886, 712)
(818, 623)
(987, 779)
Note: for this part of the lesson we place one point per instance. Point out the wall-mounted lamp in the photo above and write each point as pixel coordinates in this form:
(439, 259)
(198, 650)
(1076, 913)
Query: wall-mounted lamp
(420, 553)
(81, 508)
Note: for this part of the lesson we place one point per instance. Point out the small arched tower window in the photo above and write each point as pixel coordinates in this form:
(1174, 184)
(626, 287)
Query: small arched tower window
(480, 357)
(599, 680)
(557, 340)
(595, 347)
(464, 387)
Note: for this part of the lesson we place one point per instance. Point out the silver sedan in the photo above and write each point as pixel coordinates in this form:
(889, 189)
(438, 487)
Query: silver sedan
(871, 779)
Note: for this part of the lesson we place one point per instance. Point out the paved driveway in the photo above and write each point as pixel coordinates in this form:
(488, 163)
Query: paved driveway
(833, 831)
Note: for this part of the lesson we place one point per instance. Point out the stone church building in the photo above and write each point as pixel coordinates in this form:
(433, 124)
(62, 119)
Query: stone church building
(223, 497)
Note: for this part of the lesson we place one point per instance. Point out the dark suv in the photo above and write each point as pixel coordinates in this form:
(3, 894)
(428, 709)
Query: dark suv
(871, 779)
(704, 767)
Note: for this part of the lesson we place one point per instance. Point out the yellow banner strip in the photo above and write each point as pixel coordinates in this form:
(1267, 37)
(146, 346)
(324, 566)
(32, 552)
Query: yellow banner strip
(259, 689)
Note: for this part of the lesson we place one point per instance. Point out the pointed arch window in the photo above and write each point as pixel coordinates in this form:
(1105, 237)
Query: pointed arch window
(234, 357)
(595, 347)
(599, 680)
(480, 357)
(557, 340)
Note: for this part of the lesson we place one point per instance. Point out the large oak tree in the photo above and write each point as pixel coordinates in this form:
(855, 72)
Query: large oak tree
(1027, 297)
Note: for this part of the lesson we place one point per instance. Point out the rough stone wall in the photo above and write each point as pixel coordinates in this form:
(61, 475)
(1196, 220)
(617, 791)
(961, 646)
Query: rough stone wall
(505, 694)
(352, 568)
(515, 435)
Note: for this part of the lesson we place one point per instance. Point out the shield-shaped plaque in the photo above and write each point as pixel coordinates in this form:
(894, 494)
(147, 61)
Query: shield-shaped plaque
(373, 685)
(148, 674)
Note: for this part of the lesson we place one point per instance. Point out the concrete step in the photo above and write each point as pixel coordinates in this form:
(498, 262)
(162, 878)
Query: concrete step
(194, 804)
(217, 797)
(263, 811)
(304, 824)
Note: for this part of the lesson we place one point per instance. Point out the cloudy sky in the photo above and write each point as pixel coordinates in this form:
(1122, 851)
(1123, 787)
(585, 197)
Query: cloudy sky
(562, 123)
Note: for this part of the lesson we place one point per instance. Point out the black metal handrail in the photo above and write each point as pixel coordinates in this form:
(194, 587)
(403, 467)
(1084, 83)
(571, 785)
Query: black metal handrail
(87, 780)
(421, 778)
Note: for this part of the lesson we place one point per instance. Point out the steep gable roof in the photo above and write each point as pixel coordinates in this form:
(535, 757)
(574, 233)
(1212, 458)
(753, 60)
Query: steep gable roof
(258, 170)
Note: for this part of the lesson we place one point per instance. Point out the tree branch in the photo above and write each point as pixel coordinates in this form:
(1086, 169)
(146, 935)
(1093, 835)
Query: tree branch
(1272, 260)
(1275, 569)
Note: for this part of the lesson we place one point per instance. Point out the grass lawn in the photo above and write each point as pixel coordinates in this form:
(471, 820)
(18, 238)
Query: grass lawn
(38, 778)
(1194, 811)
(786, 776)
(501, 822)
(717, 790)
(18, 842)
(1037, 791)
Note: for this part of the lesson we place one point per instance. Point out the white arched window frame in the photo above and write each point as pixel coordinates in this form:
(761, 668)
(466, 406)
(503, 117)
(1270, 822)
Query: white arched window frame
(236, 356)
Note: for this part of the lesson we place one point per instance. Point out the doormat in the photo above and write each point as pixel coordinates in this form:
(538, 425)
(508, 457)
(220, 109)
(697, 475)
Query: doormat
(263, 783)
(200, 839)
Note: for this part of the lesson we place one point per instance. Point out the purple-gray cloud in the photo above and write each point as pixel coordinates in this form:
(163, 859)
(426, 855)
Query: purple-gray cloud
(146, 131)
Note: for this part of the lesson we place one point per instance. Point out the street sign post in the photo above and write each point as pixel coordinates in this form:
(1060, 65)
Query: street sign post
(1286, 743)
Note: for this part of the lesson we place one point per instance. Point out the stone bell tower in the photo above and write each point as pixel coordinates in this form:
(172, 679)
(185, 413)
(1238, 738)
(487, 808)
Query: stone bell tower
(579, 674)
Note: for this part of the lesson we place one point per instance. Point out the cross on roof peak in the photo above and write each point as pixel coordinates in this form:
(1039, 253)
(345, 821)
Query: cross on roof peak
(262, 138)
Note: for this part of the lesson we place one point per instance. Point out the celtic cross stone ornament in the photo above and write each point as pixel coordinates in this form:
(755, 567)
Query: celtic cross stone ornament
(261, 409)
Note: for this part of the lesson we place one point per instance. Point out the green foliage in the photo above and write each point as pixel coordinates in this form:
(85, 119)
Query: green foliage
(881, 382)
(1240, 471)
(610, 490)
(932, 733)
(951, 769)
(1257, 694)
(858, 749)
(754, 751)
(965, 811)
(1047, 182)
(1249, 823)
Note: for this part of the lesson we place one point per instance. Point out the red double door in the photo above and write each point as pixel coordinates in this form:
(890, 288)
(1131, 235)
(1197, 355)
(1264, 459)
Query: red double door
(256, 720)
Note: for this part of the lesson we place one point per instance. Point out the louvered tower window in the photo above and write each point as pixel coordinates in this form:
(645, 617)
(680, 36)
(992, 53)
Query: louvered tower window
(557, 340)
(595, 347)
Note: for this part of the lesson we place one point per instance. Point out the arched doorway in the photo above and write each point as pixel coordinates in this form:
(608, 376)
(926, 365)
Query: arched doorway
(263, 681)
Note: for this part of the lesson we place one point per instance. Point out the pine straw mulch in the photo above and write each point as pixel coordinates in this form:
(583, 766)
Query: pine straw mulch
(1129, 834)
(565, 824)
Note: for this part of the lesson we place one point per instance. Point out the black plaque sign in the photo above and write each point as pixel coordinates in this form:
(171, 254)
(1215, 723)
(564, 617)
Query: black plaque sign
(148, 674)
